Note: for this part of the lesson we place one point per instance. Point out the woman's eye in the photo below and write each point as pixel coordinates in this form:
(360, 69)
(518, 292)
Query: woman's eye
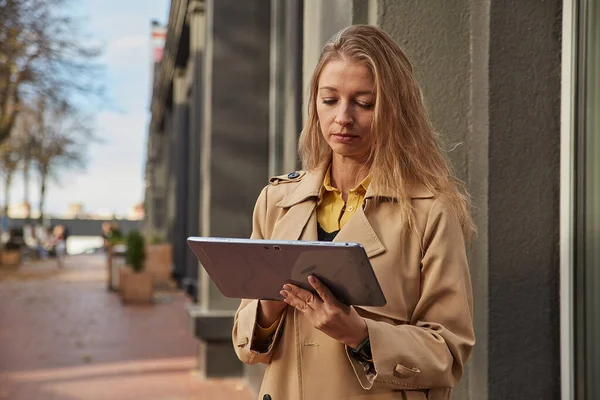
(329, 101)
(365, 105)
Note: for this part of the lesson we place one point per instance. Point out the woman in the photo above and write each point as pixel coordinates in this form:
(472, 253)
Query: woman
(59, 242)
(375, 175)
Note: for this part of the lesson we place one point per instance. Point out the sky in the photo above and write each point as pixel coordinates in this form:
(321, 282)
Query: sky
(113, 178)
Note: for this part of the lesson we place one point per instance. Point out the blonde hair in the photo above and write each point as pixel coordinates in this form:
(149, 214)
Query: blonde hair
(404, 147)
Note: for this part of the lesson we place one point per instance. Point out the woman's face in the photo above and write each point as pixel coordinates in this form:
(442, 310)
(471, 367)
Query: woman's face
(345, 104)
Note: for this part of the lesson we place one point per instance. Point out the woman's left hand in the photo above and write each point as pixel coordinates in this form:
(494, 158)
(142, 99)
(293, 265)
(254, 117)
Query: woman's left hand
(339, 321)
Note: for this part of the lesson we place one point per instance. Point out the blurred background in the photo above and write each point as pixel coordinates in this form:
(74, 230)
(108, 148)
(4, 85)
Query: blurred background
(126, 127)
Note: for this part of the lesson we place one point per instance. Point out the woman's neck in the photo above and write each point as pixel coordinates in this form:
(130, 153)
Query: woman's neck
(347, 173)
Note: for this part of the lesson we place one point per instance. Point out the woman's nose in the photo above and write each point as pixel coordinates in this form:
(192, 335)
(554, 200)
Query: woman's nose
(343, 116)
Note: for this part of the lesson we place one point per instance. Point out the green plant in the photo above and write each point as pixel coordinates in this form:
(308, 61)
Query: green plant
(135, 255)
(116, 237)
(156, 239)
(114, 240)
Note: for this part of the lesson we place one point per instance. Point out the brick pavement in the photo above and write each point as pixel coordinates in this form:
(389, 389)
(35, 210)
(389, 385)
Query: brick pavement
(63, 336)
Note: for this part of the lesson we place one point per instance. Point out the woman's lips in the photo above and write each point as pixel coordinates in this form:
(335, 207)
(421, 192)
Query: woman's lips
(344, 138)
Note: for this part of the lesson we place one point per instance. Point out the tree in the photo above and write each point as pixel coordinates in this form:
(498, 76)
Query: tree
(59, 138)
(10, 157)
(41, 51)
(27, 144)
(13, 153)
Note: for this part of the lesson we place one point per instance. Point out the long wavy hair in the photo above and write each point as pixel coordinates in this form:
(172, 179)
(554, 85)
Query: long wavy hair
(404, 147)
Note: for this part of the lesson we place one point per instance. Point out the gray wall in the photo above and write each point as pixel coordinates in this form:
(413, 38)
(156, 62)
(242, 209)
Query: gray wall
(524, 145)
(436, 37)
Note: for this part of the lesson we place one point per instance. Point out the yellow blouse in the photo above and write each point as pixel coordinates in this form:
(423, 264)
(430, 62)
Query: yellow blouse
(332, 211)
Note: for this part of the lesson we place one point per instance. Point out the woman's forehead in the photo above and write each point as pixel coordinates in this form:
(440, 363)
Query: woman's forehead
(340, 75)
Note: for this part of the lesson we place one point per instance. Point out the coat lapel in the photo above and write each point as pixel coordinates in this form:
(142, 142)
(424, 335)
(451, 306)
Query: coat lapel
(298, 223)
(358, 229)
(300, 220)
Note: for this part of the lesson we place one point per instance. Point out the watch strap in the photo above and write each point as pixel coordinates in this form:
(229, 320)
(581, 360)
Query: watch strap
(362, 351)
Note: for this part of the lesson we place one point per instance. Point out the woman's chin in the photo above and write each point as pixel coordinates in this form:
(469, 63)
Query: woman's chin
(348, 152)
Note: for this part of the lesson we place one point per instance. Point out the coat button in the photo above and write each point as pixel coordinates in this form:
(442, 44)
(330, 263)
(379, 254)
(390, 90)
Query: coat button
(267, 397)
(293, 175)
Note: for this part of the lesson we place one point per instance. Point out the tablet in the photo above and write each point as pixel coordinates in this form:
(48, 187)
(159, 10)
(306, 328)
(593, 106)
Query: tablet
(258, 269)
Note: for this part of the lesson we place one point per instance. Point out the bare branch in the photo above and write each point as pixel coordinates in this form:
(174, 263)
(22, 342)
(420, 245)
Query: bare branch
(42, 53)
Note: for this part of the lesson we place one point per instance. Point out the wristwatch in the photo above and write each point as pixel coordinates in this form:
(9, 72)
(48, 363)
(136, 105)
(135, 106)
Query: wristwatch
(362, 351)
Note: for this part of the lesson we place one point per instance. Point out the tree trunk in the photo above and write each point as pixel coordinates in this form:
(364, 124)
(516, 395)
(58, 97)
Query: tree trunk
(7, 126)
(43, 179)
(26, 175)
(7, 184)
(9, 113)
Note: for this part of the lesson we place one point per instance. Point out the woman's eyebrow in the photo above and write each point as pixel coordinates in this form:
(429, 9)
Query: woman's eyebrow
(359, 93)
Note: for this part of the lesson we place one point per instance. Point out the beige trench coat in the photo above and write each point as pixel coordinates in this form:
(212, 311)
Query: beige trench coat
(420, 340)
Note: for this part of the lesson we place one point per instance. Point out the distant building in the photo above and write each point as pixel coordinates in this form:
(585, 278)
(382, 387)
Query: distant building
(75, 210)
(102, 214)
(19, 210)
(136, 212)
(158, 35)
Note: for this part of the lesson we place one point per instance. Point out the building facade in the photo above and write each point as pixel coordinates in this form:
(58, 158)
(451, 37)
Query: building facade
(510, 88)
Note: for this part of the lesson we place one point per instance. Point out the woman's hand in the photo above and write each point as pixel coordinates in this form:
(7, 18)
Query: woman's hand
(326, 313)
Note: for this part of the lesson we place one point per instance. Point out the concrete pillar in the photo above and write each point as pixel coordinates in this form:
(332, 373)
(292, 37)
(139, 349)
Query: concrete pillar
(180, 165)
(286, 89)
(477, 144)
(322, 19)
(234, 146)
(196, 25)
(160, 174)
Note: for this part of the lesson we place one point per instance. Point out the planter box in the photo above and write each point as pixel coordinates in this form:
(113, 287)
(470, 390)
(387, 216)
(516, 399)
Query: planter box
(109, 266)
(136, 287)
(159, 262)
(115, 261)
(10, 258)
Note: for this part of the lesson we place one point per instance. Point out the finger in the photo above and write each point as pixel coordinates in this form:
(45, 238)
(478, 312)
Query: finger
(295, 301)
(323, 291)
(306, 296)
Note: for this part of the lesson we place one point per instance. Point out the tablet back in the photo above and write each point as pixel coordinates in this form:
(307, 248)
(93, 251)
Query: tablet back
(258, 269)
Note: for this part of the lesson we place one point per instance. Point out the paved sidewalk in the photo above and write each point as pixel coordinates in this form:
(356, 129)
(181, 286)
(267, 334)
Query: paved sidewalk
(63, 336)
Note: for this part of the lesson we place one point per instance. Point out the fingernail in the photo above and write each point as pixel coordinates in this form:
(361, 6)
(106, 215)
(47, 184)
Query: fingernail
(287, 287)
(312, 279)
(283, 293)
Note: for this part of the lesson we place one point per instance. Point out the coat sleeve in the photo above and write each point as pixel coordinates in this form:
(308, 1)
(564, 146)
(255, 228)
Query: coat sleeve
(431, 351)
(244, 323)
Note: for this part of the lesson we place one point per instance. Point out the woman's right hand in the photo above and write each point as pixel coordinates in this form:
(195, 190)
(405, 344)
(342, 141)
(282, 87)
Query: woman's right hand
(269, 311)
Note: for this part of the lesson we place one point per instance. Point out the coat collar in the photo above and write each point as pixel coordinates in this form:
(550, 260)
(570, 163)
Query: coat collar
(310, 186)
(300, 220)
